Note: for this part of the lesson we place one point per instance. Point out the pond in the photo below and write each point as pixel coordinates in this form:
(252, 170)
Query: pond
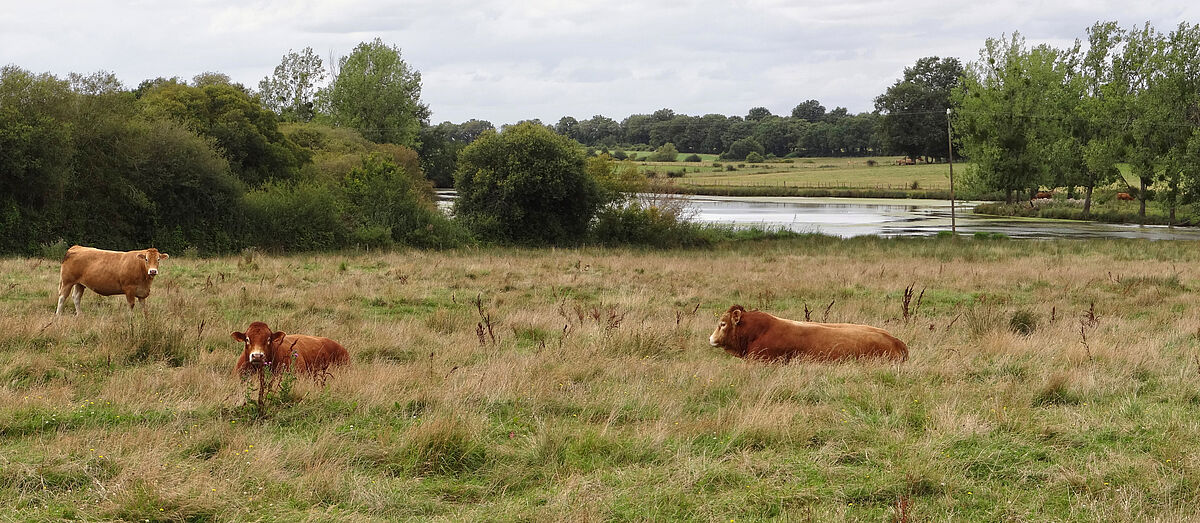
(848, 217)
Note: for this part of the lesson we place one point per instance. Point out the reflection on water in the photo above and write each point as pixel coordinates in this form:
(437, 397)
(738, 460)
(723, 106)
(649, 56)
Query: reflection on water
(848, 217)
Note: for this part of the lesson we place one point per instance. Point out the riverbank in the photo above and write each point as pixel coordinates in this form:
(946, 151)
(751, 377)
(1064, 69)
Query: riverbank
(1115, 211)
(889, 217)
(783, 190)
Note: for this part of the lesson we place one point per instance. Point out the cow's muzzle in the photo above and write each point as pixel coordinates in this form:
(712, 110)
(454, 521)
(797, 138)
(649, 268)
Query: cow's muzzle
(257, 357)
(152, 272)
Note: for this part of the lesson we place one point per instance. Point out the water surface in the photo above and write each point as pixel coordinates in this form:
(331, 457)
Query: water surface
(888, 217)
(847, 217)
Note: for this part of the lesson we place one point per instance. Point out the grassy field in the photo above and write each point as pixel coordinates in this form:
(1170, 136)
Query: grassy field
(805, 173)
(577, 385)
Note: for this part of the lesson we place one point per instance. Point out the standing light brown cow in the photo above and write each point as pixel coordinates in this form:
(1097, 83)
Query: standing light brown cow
(279, 351)
(758, 335)
(108, 273)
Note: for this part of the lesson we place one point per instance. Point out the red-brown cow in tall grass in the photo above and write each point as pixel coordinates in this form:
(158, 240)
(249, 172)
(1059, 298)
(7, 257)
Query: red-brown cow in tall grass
(758, 335)
(108, 273)
(1125, 197)
(301, 354)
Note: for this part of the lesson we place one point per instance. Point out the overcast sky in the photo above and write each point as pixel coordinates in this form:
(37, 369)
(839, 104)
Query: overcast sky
(505, 61)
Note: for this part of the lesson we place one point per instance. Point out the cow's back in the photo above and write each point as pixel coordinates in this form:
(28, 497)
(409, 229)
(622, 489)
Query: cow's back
(785, 339)
(317, 353)
(104, 272)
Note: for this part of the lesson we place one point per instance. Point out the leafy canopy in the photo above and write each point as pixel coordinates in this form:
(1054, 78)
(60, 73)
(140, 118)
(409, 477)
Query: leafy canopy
(526, 185)
(376, 92)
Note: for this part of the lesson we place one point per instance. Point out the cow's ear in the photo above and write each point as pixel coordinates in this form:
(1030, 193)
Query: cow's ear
(239, 336)
(277, 337)
(736, 316)
(142, 256)
(163, 256)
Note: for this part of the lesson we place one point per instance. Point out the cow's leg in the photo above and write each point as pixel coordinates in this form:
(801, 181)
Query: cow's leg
(63, 291)
(145, 313)
(76, 296)
(129, 297)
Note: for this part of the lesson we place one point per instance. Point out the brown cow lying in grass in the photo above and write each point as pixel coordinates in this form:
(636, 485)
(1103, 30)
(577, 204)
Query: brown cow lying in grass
(309, 355)
(108, 273)
(761, 336)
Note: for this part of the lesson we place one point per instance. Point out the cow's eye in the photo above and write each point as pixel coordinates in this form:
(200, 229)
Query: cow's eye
(722, 324)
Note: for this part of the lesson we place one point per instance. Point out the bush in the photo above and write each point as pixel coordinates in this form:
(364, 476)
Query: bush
(872, 163)
(740, 149)
(693, 158)
(526, 185)
(647, 225)
(296, 216)
(384, 197)
(666, 153)
(984, 235)
(755, 158)
(54, 252)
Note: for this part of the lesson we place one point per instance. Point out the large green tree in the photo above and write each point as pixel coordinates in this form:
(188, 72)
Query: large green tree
(246, 133)
(1090, 146)
(914, 108)
(378, 93)
(526, 185)
(291, 89)
(1000, 114)
(35, 154)
(809, 111)
(1159, 79)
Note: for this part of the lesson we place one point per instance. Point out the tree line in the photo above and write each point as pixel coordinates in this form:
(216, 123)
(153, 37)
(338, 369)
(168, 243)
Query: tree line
(317, 159)
(808, 131)
(1041, 116)
(210, 166)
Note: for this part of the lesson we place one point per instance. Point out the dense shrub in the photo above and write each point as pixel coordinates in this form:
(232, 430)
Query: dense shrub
(666, 153)
(693, 158)
(296, 216)
(526, 185)
(740, 149)
(640, 224)
(383, 196)
(754, 157)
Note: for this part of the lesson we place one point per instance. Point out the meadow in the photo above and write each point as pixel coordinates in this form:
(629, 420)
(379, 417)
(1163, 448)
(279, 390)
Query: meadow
(1047, 381)
(809, 173)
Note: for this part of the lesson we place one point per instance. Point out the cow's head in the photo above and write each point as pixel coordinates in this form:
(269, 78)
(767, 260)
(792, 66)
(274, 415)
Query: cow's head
(150, 257)
(726, 327)
(259, 340)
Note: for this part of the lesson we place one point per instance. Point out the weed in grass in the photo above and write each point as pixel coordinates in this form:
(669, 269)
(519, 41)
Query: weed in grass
(1023, 322)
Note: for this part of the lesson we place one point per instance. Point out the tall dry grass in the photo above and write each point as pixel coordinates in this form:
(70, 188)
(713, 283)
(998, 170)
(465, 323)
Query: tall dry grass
(594, 395)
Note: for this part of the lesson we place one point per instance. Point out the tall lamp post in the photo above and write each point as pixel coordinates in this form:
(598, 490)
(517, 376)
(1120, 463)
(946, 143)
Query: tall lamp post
(950, 150)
